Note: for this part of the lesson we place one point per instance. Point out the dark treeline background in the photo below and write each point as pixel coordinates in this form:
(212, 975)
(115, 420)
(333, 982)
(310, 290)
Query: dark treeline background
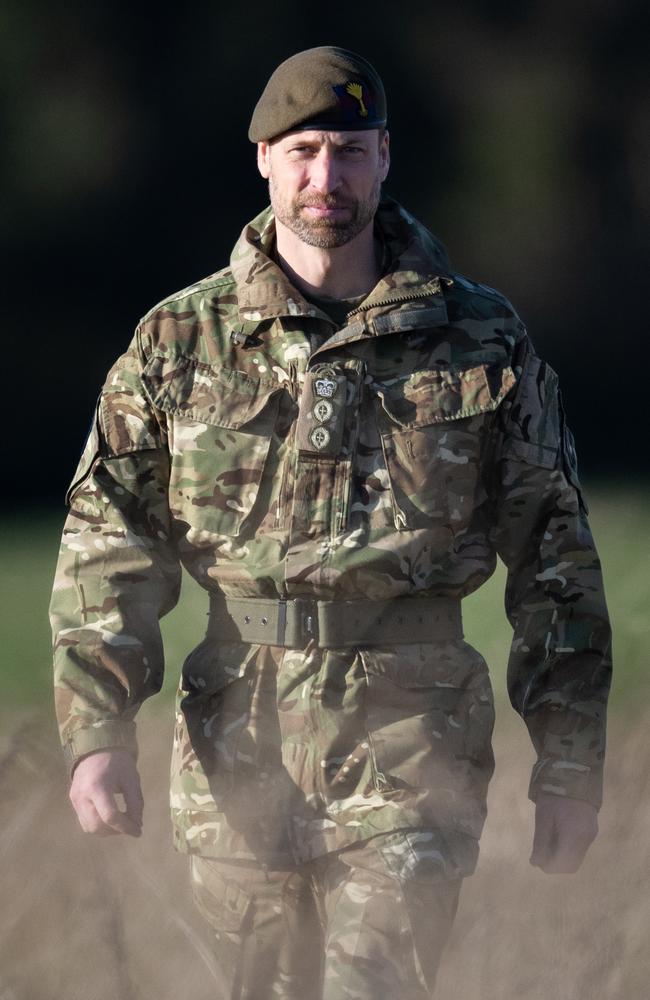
(519, 135)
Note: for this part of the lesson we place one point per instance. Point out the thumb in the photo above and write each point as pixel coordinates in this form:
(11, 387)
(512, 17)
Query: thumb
(132, 791)
(544, 838)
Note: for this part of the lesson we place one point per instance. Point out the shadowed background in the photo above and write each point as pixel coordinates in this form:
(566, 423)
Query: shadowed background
(520, 136)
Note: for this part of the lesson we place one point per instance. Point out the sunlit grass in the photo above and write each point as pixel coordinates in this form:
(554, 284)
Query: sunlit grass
(620, 520)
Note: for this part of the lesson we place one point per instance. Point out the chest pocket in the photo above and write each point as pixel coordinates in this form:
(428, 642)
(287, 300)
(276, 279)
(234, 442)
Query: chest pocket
(432, 428)
(221, 426)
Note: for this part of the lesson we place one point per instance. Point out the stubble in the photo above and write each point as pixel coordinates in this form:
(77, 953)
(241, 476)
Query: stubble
(323, 232)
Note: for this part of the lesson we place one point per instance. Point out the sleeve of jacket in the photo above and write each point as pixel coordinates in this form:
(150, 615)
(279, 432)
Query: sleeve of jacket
(118, 571)
(560, 661)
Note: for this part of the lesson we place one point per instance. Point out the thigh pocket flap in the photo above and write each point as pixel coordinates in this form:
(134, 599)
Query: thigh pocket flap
(429, 714)
(215, 706)
(222, 902)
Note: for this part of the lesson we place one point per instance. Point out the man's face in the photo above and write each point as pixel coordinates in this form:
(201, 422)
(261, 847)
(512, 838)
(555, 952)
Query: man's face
(325, 186)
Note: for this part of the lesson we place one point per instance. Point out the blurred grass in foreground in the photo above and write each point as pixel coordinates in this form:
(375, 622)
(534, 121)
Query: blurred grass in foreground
(620, 520)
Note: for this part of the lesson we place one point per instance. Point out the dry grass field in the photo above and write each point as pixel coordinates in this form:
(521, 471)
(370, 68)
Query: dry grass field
(112, 919)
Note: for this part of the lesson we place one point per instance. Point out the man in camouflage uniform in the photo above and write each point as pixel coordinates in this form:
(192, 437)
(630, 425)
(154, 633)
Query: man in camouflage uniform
(335, 435)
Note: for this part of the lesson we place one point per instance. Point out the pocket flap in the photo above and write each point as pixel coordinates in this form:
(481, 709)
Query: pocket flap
(189, 388)
(122, 424)
(530, 452)
(436, 395)
(212, 666)
(419, 667)
(532, 428)
(221, 901)
(89, 456)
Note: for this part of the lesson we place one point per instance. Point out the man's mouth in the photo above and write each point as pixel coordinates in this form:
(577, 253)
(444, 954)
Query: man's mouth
(326, 209)
(323, 210)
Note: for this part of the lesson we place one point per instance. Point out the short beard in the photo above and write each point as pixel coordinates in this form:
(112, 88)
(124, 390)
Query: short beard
(325, 233)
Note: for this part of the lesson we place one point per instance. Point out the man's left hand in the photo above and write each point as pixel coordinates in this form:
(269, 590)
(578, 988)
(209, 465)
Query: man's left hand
(564, 830)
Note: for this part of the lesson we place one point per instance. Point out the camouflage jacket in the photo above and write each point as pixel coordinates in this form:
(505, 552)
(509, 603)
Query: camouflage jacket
(448, 446)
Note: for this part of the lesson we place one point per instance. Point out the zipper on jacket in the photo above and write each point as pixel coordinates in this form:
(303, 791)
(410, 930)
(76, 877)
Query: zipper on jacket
(342, 335)
(395, 299)
(381, 782)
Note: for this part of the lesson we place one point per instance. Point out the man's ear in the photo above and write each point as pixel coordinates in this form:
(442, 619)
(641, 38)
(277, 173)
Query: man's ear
(384, 155)
(264, 159)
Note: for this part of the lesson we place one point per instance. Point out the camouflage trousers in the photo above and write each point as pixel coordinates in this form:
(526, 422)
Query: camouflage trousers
(342, 927)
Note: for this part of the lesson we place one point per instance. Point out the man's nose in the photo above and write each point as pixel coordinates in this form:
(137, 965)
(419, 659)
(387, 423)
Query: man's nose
(325, 176)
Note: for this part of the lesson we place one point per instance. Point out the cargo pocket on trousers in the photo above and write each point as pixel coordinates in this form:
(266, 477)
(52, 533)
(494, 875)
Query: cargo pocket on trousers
(221, 427)
(432, 429)
(430, 716)
(225, 906)
(221, 901)
(214, 713)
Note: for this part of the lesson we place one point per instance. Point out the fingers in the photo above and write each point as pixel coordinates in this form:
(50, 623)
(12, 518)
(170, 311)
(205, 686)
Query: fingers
(564, 831)
(133, 799)
(544, 840)
(121, 822)
(566, 860)
(98, 813)
(90, 821)
(573, 842)
(97, 782)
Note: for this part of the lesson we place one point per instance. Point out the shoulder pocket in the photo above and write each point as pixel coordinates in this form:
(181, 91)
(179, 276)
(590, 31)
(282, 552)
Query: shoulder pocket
(569, 456)
(221, 425)
(123, 423)
(89, 457)
(532, 428)
(432, 428)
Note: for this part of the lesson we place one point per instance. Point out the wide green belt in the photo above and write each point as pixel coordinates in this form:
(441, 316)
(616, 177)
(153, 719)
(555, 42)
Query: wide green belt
(294, 623)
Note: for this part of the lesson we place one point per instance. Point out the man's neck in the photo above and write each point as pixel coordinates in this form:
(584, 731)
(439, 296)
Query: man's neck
(341, 272)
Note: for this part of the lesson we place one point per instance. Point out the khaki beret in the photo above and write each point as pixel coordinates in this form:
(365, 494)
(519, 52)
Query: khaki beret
(324, 88)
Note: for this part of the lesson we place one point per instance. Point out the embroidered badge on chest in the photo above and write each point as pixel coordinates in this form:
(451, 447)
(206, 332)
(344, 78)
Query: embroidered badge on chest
(320, 438)
(325, 387)
(323, 410)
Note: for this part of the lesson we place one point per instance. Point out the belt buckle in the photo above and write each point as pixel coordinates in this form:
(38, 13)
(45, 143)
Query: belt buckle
(306, 613)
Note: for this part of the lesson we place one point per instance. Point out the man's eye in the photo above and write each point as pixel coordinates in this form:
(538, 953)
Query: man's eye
(352, 149)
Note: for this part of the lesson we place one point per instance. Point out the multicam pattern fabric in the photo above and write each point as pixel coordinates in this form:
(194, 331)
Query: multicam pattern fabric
(385, 928)
(446, 446)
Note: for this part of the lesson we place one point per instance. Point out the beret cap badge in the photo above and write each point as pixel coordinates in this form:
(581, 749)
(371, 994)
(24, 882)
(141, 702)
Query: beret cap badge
(356, 90)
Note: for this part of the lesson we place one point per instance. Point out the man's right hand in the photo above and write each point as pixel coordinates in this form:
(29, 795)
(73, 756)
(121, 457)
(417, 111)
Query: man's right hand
(96, 780)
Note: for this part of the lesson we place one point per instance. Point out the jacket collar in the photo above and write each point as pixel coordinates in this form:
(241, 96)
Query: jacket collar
(417, 263)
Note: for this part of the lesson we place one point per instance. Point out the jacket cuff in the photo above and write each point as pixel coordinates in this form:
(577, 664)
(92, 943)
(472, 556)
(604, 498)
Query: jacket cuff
(110, 734)
(567, 779)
